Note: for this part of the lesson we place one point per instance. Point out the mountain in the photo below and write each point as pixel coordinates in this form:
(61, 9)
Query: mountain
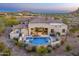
(75, 12)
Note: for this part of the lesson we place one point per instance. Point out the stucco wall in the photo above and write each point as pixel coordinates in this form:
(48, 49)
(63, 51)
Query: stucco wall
(57, 27)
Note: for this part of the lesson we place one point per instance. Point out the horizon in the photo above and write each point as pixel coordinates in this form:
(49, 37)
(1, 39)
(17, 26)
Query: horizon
(39, 7)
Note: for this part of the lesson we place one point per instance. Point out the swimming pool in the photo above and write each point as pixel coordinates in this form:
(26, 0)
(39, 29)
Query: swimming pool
(35, 41)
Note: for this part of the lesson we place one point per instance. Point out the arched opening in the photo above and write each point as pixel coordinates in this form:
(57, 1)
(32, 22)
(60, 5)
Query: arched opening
(58, 33)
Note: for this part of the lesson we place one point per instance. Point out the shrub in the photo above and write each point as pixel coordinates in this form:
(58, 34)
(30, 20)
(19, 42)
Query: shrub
(68, 48)
(6, 52)
(2, 46)
(49, 49)
(33, 49)
(65, 21)
(29, 49)
(62, 42)
(73, 30)
(41, 50)
(15, 40)
(57, 45)
(58, 33)
(49, 46)
(21, 44)
(54, 48)
(2, 28)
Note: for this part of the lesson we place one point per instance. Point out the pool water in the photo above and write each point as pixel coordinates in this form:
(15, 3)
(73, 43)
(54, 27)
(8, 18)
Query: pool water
(38, 40)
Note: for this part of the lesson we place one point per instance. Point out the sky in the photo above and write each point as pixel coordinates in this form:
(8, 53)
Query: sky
(39, 7)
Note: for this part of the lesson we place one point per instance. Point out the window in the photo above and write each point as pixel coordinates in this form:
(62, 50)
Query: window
(31, 28)
(52, 30)
(63, 30)
(45, 30)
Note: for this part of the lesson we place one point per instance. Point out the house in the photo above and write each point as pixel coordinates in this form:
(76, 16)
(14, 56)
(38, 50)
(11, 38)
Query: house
(41, 26)
(19, 30)
(47, 28)
(40, 31)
